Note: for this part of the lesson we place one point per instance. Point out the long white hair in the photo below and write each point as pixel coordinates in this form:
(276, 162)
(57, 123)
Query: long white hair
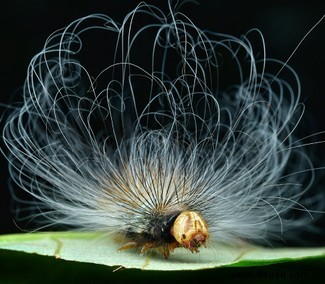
(156, 129)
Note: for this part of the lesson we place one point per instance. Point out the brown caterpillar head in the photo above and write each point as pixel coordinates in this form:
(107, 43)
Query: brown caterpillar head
(190, 230)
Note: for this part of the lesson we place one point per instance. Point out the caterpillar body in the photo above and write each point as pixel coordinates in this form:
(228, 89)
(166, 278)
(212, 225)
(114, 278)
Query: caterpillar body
(153, 147)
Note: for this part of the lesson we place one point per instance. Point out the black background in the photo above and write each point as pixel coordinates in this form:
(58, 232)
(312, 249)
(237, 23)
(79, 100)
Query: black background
(25, 25)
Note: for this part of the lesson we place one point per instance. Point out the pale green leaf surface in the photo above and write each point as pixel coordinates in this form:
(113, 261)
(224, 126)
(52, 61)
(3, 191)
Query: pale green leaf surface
(100, 249)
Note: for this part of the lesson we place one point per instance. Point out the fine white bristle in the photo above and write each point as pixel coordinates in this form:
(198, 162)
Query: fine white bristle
(102, 150)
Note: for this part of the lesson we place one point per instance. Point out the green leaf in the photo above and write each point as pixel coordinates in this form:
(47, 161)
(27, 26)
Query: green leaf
(102, 249)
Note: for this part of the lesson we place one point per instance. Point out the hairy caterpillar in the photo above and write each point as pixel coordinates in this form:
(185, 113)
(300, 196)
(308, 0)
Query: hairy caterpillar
(153, 148)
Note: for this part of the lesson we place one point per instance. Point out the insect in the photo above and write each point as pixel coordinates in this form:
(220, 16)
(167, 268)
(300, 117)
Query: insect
(153, 147)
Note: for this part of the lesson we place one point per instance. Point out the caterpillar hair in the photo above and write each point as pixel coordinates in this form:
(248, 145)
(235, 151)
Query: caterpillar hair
(153, 143)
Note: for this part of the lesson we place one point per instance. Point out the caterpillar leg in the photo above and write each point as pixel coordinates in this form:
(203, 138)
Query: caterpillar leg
(165, 249)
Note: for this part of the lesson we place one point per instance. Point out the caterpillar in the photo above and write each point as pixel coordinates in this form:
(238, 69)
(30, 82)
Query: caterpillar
(153, 147)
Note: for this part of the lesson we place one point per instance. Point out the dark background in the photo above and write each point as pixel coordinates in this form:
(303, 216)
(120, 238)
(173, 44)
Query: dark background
(25, 25)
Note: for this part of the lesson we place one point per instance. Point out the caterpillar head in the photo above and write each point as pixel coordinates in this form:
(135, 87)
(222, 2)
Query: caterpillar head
(190, 230)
